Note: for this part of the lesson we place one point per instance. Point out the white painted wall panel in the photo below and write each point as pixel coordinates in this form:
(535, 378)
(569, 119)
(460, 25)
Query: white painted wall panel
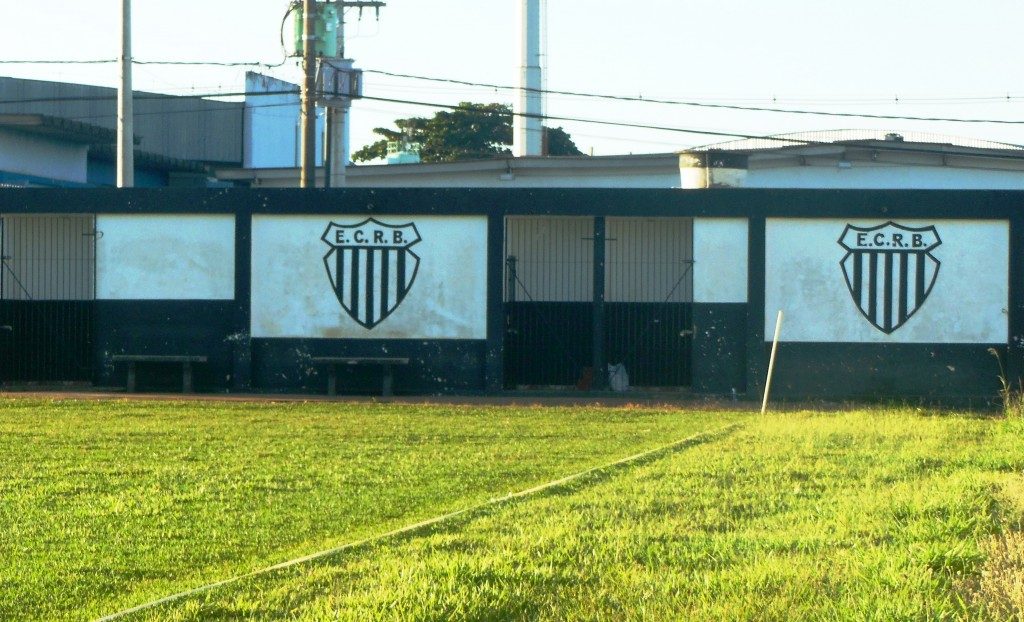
(720, 260)
(293, 294)
(967, 303)
(165, 257)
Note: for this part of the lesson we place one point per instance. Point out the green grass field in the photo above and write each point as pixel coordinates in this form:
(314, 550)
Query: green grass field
(877, 514)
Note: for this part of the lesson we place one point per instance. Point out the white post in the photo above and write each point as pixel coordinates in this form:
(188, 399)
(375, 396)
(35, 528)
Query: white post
(771, 363)
(125, 113)
(338, 156)
(528, 131)
(346, 131)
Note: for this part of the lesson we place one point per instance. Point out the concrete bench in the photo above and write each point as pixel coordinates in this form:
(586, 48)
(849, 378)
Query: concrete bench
(185, 361)
(386, 362)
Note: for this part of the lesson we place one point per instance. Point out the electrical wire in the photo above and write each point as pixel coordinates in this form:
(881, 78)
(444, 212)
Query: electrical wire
(604, 96)
(437, 105)
(675, 102)
(188, 63)
(100, 61)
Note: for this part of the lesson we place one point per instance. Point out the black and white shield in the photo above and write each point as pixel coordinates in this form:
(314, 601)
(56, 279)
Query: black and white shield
(371, 267)
(889, 270)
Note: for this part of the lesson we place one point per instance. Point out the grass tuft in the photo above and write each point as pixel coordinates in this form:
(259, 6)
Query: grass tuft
(1012, 397)
(997, 591)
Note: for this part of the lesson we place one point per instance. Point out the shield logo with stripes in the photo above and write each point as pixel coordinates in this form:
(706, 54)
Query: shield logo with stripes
(371, 267)
(890, 270)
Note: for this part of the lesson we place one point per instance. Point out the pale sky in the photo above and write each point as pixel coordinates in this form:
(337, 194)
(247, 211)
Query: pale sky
(939, 58)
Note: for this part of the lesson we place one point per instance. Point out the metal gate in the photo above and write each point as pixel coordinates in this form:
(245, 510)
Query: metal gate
(645, 318)
(47, 289)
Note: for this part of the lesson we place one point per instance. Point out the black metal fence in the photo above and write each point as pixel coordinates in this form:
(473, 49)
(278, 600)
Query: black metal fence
(47, 288)
(549, 300)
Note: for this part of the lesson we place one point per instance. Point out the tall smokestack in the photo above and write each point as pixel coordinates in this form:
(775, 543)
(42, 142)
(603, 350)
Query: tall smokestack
(527, 131)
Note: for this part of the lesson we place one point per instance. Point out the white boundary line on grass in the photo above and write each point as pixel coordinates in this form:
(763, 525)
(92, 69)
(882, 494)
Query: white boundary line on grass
(416, 526)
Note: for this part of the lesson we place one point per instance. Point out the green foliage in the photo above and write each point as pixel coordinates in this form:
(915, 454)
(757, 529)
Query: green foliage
(558, 142)
(470, 131)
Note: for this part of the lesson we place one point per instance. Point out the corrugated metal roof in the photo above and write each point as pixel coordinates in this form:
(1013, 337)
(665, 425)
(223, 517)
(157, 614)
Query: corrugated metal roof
(183, 128)
(795, 139)
(43, 125)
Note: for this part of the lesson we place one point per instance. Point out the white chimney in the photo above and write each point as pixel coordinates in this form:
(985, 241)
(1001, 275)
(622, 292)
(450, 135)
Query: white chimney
(528, 131)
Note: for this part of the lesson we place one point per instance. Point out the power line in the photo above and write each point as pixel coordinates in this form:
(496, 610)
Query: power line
(59, 62)
(782, 139)
(624, 98)
(674, 102)
(545, 117)
(681, 130)
(188, 63)
(143, 96)
(160, 96)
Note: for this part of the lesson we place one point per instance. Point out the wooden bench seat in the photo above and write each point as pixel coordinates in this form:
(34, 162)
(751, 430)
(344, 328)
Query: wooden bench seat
(186, 362)
(385, 362)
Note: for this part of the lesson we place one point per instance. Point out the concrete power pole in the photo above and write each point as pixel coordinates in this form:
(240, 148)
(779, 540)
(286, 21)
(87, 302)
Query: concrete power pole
(337, 130)
(307, 178)
(125, 112)
(528, 131)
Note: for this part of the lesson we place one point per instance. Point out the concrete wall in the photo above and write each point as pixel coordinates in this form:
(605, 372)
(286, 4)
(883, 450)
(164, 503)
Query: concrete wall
(342, 277)
(271, 134)
(251, 280)
(165, 257)
(810, 273)
(720, 282)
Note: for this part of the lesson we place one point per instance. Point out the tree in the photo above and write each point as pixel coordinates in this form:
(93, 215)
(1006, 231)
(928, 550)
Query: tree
(558, 142)
(470, 131)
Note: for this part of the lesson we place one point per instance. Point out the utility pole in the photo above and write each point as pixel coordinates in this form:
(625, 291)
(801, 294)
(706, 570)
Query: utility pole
(125, 113)
(307, 178)
(337, 116)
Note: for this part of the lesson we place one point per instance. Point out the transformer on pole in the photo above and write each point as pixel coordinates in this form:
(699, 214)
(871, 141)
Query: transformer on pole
(330, 80)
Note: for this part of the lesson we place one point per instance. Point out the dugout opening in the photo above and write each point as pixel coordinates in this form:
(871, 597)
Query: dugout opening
(582, 293)
(47, 294)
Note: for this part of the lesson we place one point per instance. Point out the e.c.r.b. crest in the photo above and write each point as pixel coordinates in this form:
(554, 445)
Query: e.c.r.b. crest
(371, 267)
(889, 270)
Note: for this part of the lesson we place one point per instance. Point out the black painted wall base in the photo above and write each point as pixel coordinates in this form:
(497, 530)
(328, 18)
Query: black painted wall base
(197, 327)
(948, 373)
(435, 367)
(719, 348)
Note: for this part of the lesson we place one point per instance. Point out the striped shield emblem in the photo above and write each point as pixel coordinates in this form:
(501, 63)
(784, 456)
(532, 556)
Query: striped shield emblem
(371, 267)
(890, 270)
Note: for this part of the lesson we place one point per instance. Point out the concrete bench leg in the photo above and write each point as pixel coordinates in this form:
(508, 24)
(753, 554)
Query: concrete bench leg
(389, 380)
(131, 376)
(332, 379)
(186, 377)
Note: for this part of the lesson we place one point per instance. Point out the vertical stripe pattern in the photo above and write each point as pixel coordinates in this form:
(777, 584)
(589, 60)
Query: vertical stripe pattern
(370, 283)
(889, 286)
